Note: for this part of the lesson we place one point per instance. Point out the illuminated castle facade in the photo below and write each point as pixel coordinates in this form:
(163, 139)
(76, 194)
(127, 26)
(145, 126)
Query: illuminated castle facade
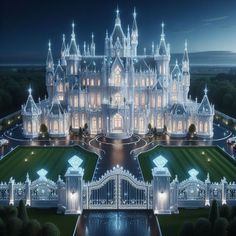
(119, 92)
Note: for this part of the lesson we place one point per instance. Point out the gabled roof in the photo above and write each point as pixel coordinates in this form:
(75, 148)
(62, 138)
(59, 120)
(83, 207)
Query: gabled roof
(178, 109)
(59, 72)
(176, 72)
(31, 107)
(56, 108)
(205, 107)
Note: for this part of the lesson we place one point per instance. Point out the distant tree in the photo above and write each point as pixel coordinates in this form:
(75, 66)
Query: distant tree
(14, 226)
(202, 227)
(149, 128)
(214, 212)
(232, 227)
(192, 129)
(187, 229)
(49, 229)
(32, 228)
(3, 230)
(233, 212)
(220, 227)
(22, 212)
(225, 211)
(43, 128)
(85, 126)
(11, 212)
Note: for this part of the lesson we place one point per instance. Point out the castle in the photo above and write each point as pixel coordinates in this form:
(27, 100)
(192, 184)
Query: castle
(118, 93)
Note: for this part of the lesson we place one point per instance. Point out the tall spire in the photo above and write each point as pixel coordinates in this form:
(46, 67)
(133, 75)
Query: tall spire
(134, 27)
(49, 62)
(205, 90)
(92, 45)
(185, 56)
(118, 22)
(162, 30)
(73, 50)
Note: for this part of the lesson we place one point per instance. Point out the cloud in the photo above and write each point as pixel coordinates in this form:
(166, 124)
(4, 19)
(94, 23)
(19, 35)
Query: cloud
(210, 20)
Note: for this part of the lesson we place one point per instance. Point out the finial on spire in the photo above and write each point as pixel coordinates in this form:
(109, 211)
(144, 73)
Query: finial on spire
(117, 11)
(162, 30)
(106, 34)
(73, 30)
(205, 90)
(49, 45)
(117, 17)
(30, 90)
(134, 13)
(176, 62)
(185, 44)
(63, 38)
(92, 37)
(59, 63)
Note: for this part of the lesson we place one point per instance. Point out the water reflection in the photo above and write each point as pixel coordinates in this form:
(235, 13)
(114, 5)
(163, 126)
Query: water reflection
(107, 223)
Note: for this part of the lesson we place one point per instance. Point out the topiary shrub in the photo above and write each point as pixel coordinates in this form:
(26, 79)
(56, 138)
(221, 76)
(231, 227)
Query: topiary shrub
(32, 228)
(11, 212)
(202, 227)
(220, 227)
(14, 226)
(187, 229)
(3, 230)
(50, 229)
(22, 212)
(232, 228)
(225, 211)
(214, 212)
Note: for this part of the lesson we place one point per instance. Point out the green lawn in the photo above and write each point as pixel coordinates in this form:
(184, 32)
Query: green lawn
(52, 159)
(171, 224)
(65, 223)
(181, 159)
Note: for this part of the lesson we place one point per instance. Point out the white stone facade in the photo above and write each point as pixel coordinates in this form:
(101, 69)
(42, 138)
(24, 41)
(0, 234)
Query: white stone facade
(120, 92)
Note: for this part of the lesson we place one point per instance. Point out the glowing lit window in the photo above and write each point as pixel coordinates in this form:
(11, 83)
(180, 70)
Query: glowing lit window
(180, 126)
(82, 120)
(81, 100)
(84, 82)
(136, 100)
(92, 82)
(87, 82)
(92, 100)
(117, 98)
(60, 87)
(158, 101)
(141, 124)
(71, 69)
(98, 99)
(99, 82)
(94, 123)
(61, 126)
(206, 127)
(152, 121)
(174, 87)
(29, 127)
(76, 102)
(76, 121)
(143, 100)
(200, 127)
(159, 121)
(153, 101)
(100, 123)
(117, 76)
(143, 82)
(136, 82)
(135, 123)
(55, 126)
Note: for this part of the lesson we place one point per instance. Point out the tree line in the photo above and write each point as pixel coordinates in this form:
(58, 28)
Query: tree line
(14, 84)
(221, 91)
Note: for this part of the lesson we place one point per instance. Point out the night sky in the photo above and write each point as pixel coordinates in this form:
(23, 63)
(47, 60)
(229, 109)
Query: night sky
(27, 25)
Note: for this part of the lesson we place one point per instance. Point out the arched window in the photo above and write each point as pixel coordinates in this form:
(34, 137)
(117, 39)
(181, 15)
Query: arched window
(92, 82)
(60, 87)
(141, 124)
(55, 126)
(206, 127)
(117, 76)
(200, 126)
(81, 100)
(29, 127)
(142, 99)
(117, 98)
(159, 121)
(34, 126)
(159, 101)
(76, 102)
(180, 126)
(94, 123)
(76, 121)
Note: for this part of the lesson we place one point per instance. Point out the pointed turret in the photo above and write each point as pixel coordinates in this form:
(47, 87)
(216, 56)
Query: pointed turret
(162, 45)
(185, 71)
(134, 35)
(128, 46)
(73, 50)
(205, 107)
(106, 44)
(63, 51)
(118, 21)
(176, 73)
(49, 62)
(30, 107)
(185, 57)
(92, 47)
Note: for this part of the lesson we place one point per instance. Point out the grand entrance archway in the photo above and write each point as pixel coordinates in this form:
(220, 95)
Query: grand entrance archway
(117, 123)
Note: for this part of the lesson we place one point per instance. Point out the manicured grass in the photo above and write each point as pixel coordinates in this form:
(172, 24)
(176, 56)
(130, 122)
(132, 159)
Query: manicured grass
(171, 224)
(52, 159)
(65, 223)
(181, 159)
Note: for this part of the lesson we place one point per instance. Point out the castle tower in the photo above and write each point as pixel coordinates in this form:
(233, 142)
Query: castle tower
(163, 60)
(92, 47)
(74, 55)
(31, 116)
(63, 51)
(49, 72)
(134, 36)
(185, 72)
